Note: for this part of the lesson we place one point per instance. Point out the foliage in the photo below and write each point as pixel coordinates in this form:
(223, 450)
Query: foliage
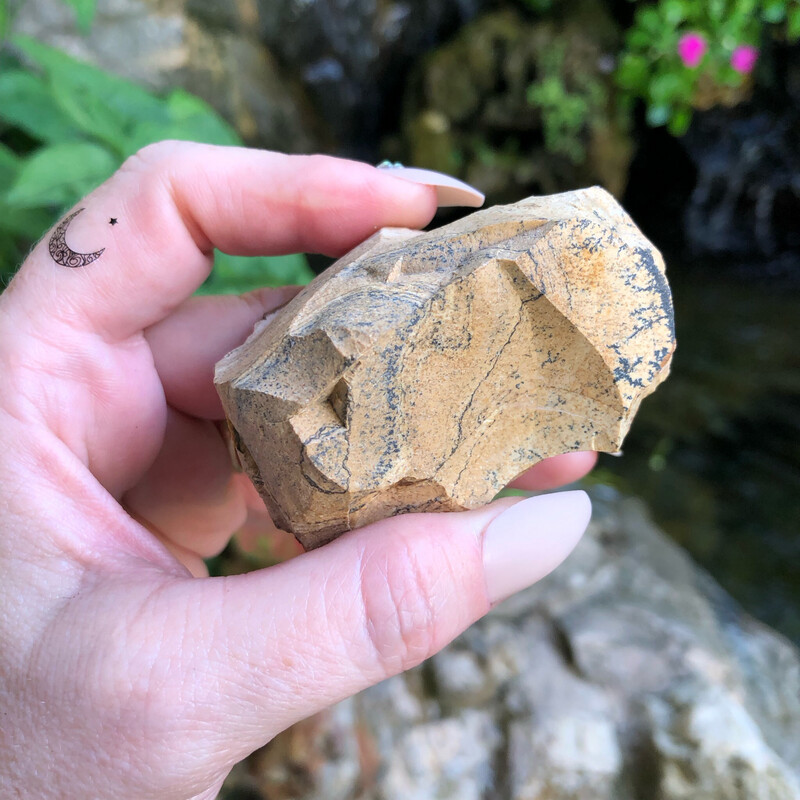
(238, 274)
(565, 110)
(655, 67)
(65, 127)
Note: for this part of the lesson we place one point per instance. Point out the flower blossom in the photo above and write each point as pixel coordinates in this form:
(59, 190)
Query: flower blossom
(691, 48)
(744, 58)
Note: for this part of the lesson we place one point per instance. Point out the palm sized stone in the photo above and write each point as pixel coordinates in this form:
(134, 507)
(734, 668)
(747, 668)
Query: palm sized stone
(425, 371)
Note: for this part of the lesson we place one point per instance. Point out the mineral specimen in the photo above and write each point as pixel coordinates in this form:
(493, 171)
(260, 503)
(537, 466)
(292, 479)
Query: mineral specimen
(424, 371)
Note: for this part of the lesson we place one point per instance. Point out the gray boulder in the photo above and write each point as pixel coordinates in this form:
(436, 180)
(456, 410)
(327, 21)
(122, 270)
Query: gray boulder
(627, 674)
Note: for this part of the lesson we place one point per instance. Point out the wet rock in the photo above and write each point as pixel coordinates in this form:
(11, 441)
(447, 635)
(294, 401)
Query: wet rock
(520, 106)
(626, 674)
(747, 196)
(353, 56)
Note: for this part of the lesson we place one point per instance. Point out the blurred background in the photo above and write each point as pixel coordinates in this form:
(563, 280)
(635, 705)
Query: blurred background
(689, 113)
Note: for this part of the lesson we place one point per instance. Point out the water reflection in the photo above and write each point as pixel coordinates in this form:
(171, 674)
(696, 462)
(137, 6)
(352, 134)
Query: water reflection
(716, 451)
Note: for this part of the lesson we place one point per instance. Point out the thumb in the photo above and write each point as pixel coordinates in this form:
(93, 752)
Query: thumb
(293, 639)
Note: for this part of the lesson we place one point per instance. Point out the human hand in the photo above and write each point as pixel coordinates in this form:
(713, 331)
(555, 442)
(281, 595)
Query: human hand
(120, 674)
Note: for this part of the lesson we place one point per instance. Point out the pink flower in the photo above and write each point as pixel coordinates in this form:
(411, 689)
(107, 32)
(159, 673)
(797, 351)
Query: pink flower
(744, 58)
(691, 48)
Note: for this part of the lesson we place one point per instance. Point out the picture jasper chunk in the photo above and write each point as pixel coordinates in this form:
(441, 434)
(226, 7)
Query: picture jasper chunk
(424, 371)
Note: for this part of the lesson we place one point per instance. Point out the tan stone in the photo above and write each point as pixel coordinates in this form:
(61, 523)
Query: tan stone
(424, 371)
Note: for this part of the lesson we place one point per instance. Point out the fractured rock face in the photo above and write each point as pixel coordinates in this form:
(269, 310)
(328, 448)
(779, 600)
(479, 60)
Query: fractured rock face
(426, 370)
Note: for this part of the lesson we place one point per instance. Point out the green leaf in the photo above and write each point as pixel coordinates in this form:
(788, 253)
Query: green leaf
(119, 113)
(26, 102)
(19, 229)
(638, 39)
(187, 118)
(121, 96)
(101, 105)
(202, 121)
(674, 12)
(774, 11)
(793, 23)
(90, 112)
(717, 10)
(9, 166)
(633, 72)
(60, 174)
(25, 223)
(5, 19)
(649, 20)
(237, 274)
(679, 122)
(84, 12)
(665, 87)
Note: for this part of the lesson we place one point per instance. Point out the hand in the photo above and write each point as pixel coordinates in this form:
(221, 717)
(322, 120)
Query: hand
(120, 674)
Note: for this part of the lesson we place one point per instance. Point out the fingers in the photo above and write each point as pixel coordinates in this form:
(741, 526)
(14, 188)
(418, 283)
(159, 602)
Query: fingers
(295, 638)
(190, 495)
(175, 201)
(556, 471)
(189, 342)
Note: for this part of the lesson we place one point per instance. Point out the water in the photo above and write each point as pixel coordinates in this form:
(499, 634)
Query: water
(716, 451)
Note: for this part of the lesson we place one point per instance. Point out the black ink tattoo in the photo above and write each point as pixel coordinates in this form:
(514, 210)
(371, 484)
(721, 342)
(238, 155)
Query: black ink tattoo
(113, 221)
(62, 253)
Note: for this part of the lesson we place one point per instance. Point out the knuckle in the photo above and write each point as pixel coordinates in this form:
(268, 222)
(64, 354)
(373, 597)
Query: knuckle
(154, 164)
(154, 154)
(399, 600)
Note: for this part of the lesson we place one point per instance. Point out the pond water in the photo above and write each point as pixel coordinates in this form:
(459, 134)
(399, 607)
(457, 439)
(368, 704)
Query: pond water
(716, 450)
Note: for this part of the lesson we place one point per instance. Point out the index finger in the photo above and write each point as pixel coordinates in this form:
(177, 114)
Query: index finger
(142, 242)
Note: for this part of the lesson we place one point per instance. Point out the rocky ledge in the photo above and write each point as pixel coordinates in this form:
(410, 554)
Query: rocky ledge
(627, 674)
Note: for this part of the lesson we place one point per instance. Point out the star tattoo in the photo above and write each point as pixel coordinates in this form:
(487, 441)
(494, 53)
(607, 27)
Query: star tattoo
(113, 221)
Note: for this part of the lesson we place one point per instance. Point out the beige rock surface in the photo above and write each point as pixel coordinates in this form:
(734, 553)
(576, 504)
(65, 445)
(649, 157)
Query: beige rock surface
(426, 370)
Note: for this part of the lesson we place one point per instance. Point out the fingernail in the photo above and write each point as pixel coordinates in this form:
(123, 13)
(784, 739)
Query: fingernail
(449, 190)
(530, 539)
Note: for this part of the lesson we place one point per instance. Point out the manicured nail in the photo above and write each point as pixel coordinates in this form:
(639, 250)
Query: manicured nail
(530, 539)
(449, 190)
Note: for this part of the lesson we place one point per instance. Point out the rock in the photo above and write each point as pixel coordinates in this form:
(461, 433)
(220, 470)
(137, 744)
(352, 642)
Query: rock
(425, 371)
(353, 56)
(627, 673)
(460, 750)
(747, 191)
(160, 45)
(710, 748)
(521, 106)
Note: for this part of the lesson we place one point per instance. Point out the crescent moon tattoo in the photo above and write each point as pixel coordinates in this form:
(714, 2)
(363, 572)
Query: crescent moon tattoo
(62, 253)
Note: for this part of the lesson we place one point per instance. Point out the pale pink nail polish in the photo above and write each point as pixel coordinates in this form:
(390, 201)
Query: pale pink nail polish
(449, 190)
(530, 539)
